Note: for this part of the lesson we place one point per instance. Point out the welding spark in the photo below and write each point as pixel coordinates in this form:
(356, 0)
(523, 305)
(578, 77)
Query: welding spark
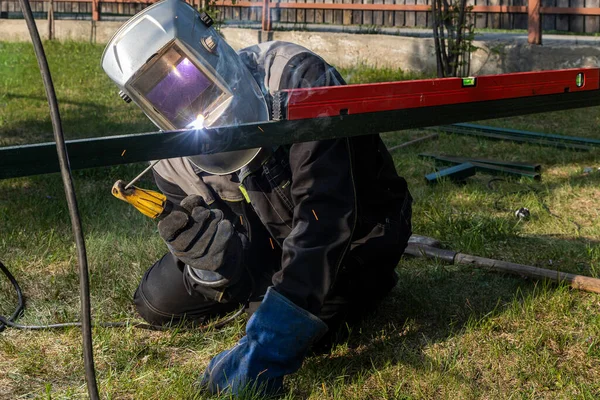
(198, 123)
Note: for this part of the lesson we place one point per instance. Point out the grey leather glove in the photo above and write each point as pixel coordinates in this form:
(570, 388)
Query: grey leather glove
(207, 243)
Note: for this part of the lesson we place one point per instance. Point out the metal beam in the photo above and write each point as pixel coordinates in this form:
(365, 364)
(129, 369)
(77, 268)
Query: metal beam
(534, 135)
(498, 135)
(89, 153)
(456, 173)
(453, 160)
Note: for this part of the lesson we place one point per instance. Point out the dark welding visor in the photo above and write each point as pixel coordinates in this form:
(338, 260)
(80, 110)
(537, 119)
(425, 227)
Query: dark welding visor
(178, 91)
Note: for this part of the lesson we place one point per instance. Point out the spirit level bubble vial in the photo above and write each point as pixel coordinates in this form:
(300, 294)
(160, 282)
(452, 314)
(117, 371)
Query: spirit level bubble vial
(580, 79)
(469, 81)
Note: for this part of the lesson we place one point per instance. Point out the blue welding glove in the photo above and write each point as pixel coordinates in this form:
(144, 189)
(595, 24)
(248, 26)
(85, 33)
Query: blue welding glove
(278, 336)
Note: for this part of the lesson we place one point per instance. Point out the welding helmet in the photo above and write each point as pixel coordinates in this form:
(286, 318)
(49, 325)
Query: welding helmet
(183, 75)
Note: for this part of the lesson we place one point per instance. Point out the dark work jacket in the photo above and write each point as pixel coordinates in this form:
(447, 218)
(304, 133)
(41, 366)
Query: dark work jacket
(315, 209)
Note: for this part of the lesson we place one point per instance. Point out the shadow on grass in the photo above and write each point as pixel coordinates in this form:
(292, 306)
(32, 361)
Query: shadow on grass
(37, 204)
(80, 119)
(431, 304)
(86, 104)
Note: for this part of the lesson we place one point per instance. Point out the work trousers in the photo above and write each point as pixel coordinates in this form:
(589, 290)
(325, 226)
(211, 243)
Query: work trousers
(162, 298)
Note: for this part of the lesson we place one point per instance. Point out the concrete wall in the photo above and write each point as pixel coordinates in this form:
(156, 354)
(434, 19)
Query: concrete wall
(497, 53)
(16, 30)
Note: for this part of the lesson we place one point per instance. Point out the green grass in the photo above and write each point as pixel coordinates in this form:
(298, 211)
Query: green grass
(369, 74)
(446, 332)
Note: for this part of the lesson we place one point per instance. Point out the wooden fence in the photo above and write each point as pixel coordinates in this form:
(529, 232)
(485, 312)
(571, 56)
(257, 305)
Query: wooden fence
(577, 16)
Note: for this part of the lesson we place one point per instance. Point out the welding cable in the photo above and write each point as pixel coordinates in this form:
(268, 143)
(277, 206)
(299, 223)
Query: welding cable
(63, 158)
(4, 322)
(11, 322)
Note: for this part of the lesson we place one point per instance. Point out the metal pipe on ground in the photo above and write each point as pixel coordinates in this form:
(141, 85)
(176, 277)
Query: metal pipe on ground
(542, 139)
(414, 141)
(425, 247)
(528, 134)
(453, 160)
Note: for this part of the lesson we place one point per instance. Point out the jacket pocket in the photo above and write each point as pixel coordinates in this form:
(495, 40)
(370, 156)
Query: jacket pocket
(381, 243)
(272, 209)
(279, 176)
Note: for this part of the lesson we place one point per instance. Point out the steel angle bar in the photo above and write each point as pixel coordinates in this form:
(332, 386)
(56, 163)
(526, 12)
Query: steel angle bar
(500, 170)
(535, 135)
(414, 141)
(464, 170)
(89, 153)
(459, 160)
(456, 173)
(511, 138)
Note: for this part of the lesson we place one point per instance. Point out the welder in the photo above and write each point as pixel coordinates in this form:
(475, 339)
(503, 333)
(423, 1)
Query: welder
(306, 236)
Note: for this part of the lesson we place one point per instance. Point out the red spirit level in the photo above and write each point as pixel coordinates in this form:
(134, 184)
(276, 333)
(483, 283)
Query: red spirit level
(303, 115)
(357, 99)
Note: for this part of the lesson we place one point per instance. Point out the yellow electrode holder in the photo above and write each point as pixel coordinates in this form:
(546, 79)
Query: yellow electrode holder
(148, 202)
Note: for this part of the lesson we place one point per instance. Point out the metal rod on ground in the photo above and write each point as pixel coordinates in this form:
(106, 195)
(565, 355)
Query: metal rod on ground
(534, 135)
(414, 141)
(419, 246)
(456, 173)
(137, 178)
(453, 160)
(457, 129)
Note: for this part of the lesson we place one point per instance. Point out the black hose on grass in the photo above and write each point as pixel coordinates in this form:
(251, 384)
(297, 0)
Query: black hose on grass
(65, 170)
(4, 322)
(84, 289)
(11, 321)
